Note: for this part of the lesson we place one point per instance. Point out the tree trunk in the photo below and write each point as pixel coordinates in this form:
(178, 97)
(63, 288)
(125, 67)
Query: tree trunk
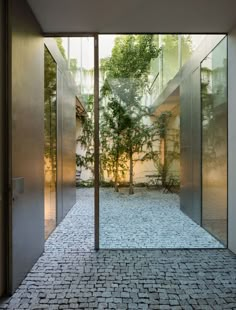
(116, 177)
(164, 170)
(131, 186)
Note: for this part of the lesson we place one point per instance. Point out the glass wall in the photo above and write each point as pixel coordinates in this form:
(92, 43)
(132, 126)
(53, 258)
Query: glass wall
(79, 54)
(50, 134)
(127, 217)
(170, 54)
(214, 141)
(175, 51)
(189, 44)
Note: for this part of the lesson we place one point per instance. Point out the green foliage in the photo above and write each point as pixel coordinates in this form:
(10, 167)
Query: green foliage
(60, 46)
(169, 139)
(50, 102)
(86, 138)
(170, 50)
(73, 66)
(124, 132)
(114, 123)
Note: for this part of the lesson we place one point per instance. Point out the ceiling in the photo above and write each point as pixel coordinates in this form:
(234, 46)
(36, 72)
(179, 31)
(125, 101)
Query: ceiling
(135, 16)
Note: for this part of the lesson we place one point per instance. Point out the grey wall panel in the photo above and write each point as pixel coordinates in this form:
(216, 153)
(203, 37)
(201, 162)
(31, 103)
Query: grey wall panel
(196, 145)
(186, 147)
(186, 198)
(68, 141)
(2, 129)
(27, 140)
(185, 113)
(59, 147)
(232, 140)
(190, 148)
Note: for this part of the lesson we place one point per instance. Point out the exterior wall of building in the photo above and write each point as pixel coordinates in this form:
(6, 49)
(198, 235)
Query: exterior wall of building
(231, 140)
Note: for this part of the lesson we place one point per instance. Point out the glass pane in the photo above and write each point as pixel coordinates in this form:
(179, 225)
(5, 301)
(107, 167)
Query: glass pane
(170, 51)
(79, 54)
(50, 134)
(214, 141)
(189, 44)
(139, 149)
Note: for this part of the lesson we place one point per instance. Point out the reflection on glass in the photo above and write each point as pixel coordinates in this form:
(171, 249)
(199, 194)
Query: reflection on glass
(79, 55)
(214, 142)
(50, 150)
(139, 150)
(170, 51)
(189, 44)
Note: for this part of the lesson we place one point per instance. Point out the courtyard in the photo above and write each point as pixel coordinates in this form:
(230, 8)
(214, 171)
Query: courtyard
(71, 275)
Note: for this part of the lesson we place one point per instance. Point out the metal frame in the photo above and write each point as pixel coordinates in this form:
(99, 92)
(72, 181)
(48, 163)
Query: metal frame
(96, 139)
(93, 34)
(183, 71)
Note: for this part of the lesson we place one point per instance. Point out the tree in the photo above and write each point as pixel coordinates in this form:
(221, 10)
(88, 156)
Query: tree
(168, 151)
(50, 107)
(126, 80)
(60, 46)
(113, 125)
(86, 138)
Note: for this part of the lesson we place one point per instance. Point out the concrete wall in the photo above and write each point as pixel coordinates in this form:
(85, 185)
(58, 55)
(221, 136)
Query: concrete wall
(231, 140)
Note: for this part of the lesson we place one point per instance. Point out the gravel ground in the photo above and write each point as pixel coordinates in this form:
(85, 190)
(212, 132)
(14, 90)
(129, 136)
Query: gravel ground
(147, 219)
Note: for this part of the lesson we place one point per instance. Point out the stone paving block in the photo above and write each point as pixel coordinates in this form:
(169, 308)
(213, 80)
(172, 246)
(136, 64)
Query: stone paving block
(71, 275)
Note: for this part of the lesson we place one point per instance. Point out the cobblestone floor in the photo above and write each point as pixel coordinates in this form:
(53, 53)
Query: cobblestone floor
(70, 275)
